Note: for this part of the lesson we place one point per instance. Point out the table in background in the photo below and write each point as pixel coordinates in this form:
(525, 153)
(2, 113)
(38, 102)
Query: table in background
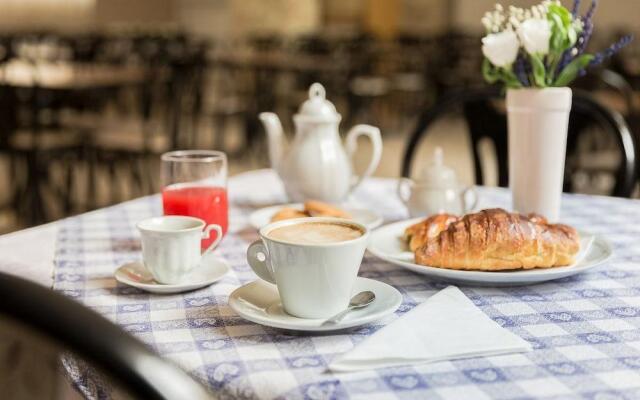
(69, 76)
(584, 329)
(43, 91)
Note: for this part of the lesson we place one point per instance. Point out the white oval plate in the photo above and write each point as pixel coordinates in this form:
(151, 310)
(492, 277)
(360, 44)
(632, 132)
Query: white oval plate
(211, 269)
(259, 302)
(388, 244)
(368, 218)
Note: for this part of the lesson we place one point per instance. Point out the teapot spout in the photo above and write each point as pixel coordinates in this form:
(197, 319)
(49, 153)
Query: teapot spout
(275, 136)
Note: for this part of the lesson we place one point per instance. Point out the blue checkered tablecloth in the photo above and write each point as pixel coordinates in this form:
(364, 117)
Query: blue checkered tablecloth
(584, 329)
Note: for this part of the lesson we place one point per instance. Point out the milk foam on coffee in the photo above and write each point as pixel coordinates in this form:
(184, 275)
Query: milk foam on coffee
(315, 233)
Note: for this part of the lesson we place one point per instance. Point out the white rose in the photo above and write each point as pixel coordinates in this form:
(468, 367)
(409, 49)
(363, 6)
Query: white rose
(501, 48)
(534, 35)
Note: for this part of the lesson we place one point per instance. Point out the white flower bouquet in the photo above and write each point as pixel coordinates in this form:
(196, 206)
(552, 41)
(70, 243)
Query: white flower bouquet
(543, 46)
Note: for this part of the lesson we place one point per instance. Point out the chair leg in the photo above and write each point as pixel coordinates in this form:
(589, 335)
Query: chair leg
(91, 198)
(477, 165)
(149, 173)
(35, 213)
(69, 187)
(20, 196)
(218, 132)
(136, 175)
(17, 181)
(114, 194)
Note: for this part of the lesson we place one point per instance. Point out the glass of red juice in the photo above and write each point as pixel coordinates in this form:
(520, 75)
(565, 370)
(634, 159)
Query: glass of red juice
(194, 183)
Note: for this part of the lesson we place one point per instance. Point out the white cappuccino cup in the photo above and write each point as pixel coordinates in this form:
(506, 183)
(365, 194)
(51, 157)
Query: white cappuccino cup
(171, 245)
(314, 271)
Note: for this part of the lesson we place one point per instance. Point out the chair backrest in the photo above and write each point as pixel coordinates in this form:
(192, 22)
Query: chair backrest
(96, 340)
(486, 119)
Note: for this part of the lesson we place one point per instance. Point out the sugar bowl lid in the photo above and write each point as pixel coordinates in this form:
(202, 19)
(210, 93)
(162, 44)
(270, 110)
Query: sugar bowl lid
(436, 174)
(317, 107)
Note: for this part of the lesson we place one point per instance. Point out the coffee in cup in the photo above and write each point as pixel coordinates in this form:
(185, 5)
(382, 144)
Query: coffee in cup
(313, 261)
(315, 233)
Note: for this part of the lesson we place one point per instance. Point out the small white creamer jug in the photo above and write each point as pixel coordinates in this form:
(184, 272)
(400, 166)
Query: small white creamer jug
(436, 191)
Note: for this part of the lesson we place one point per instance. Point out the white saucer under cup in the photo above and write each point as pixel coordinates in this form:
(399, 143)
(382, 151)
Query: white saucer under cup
(210, 270)
(259, 302)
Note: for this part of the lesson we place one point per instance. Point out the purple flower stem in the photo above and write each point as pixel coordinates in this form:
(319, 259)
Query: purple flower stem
(520, 70)
(576, 6)
(609, 52)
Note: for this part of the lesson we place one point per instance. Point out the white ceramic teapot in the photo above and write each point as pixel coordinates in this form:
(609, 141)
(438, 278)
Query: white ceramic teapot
(316, 165)
(437, 191)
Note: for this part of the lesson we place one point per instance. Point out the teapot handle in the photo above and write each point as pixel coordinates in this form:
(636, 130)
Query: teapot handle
(373, 134)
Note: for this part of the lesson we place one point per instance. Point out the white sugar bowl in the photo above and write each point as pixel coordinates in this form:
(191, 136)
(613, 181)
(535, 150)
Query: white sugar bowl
(436, 191)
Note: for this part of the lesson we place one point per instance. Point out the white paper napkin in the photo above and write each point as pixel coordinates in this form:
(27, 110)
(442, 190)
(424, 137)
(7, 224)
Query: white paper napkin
(447, 326)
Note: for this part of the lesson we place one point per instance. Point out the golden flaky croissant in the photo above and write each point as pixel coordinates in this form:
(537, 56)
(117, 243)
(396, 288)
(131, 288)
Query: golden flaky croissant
(418, 234)
(493, 240)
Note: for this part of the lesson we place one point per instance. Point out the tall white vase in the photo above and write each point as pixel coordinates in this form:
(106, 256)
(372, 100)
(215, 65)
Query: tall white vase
(538, 120)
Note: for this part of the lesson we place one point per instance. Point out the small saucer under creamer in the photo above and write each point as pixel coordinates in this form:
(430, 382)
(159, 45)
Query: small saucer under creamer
(259, 302)
(210, 270)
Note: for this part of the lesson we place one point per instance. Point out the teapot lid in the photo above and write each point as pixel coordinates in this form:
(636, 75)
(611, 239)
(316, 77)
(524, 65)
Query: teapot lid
(317, 106)
(436, 174)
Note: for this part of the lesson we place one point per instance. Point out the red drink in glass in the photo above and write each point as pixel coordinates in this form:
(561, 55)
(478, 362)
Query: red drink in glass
(195, 184)
(205, 202)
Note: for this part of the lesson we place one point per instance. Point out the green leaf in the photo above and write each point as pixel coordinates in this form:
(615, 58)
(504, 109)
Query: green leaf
(558, 33)
(562, 12)
(492, 74)
(553, 60)
(569, 73)
(510, 79)
(489, 72)
(572, 36)
(563, 35)
(539, 71)
(556, 22)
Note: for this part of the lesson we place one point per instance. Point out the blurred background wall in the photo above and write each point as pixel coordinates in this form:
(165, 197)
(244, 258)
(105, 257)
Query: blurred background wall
(229, 18)
(94, 91)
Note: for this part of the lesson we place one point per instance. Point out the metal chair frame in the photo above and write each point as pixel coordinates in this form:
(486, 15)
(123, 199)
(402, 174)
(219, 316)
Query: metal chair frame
(95, 339)
(583, 106)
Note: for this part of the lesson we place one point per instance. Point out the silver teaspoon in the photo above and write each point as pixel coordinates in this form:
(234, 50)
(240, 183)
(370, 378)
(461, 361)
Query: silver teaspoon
(360, 300)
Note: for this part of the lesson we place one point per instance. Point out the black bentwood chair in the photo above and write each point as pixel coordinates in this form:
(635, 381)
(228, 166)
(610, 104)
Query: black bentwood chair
(484, 114)
(49, 317)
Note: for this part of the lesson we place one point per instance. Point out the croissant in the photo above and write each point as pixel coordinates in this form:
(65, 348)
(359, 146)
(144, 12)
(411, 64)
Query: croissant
(493, 240)
(418, 234)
